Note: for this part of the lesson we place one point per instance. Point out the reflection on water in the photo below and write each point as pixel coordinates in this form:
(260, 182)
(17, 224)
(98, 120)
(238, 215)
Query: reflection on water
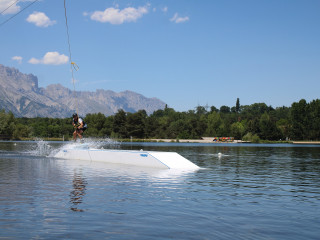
(245, 192)
(78, 192)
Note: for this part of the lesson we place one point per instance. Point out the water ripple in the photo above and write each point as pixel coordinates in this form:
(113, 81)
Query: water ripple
(243, 193)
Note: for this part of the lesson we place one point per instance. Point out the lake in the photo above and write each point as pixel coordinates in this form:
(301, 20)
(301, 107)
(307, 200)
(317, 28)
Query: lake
(242, 191)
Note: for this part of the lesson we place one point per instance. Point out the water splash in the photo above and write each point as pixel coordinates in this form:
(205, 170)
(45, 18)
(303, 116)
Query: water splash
(101, 143)
(42, 148)
(86, 143)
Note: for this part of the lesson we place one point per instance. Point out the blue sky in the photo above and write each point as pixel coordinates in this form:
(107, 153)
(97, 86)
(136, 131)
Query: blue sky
(184, 52)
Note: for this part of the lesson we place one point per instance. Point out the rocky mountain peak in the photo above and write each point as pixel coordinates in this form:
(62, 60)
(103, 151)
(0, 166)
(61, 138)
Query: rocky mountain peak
(12, 78)
(19, 93)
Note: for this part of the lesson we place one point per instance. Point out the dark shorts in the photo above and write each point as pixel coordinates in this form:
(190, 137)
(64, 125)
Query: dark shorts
(82, 129)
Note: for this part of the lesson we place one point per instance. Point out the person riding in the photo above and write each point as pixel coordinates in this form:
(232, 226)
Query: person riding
(79, 125)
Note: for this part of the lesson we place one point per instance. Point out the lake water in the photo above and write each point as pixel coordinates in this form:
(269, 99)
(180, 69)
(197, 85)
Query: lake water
(246, 192)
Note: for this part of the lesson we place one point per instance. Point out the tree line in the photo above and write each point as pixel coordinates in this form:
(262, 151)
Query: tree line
(252, 122)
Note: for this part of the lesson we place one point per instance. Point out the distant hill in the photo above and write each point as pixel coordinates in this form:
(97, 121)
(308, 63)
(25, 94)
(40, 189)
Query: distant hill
(20, 94)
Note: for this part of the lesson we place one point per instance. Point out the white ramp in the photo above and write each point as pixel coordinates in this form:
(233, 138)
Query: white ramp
(173, 160)
(164, 160)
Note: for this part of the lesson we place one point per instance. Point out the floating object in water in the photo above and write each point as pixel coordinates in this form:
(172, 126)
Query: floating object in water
(164, 160)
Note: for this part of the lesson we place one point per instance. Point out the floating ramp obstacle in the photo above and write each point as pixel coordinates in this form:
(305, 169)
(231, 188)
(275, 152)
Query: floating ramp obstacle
(154, 159)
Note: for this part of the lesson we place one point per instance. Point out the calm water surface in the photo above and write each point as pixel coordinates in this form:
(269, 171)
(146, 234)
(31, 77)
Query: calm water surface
(245, 192)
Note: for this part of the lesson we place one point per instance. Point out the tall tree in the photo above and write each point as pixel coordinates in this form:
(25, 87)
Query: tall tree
(238, 105)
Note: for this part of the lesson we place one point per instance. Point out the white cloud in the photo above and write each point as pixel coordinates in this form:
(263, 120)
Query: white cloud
(8, 7)
(40, 19)
(34, 61)
(178, 19)
(117, 16)
(17, 58)
(165, 9)
(51, 58)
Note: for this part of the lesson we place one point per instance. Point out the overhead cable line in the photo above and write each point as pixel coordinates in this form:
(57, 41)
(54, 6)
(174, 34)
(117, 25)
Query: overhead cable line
(4, 22)
(9, 6)
(73, 65)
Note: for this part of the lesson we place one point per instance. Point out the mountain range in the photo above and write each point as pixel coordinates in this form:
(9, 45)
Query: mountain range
(20, 94)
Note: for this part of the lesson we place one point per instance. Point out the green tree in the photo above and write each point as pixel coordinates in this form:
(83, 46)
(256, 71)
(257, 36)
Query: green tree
(95, 123)
(214, 122)
(237, 130)
(238, 106)
(178, 129)
(120, 124)
(224, 109)
(21, 131)
(299, 119)
(200, 110)
(201, 126)
(162, 127)
(284, 127)
(249, 137)
(268, 128)
(213, 109)
(152, 127)
(136, 124)
(7, 124)
(314, 120)
(107, 126)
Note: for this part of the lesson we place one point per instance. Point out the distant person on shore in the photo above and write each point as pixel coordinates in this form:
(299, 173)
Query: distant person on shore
(79, 125)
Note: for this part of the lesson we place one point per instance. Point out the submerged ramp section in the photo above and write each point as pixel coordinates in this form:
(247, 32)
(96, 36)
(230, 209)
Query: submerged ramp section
(173, 160)
(164, 160)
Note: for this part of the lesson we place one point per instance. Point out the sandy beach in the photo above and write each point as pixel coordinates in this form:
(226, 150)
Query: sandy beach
(306, 142)
(210, 140)
(203, 140)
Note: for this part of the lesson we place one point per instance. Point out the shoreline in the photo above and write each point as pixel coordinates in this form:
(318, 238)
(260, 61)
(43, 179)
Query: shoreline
(203, 140)
(306, 142)
(208, 140)
(193, 141)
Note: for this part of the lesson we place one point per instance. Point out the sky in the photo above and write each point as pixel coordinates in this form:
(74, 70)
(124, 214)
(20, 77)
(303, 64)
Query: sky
(187, 53)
